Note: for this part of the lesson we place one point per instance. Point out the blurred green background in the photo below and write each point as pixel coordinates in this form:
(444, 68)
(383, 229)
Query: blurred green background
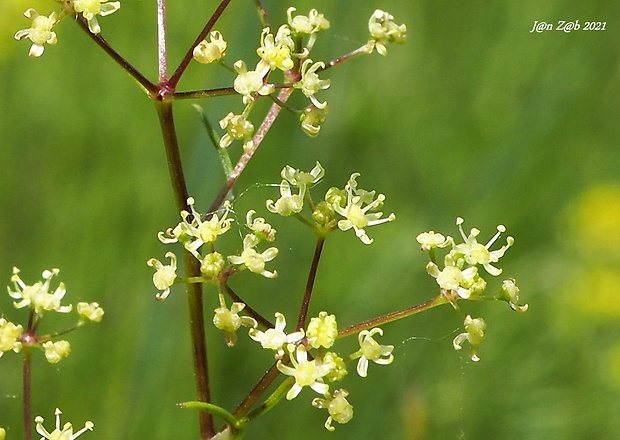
(475, 117)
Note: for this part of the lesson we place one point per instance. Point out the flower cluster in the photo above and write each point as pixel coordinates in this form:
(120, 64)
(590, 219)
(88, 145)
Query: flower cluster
(38, 298)
(286, 50)
(383, 30)
(315, 370)
(210, 51)
(41, 28)
(344, 209)
(197, 233)
(460, 276)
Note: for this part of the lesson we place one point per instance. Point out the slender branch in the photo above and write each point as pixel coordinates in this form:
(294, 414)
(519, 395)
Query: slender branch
(209, 93)
(176, 76)
(253, 313)
(305, 305)
(270, 118)
(161, 42)
(258, 390)
(192, 267)
(272, 400)
(215, 140)
(147, 86)
(359, 51)
(394, 316)
(262, 13)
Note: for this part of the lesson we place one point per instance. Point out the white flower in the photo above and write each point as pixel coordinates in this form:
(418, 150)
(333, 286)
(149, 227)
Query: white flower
(383, 30)
(276, 51)
(476, 253)
(275, 338)
(356, 209)
(66, 433)
(322, 330)
(302, 179)
(90, 312)
(37, 295)
(193, 234)
(510, 293)
(340, 410)
(229, 321)
(237, 128)
(259, 227)
(164, 276)
(91, 8)
(56, 351)
(465, 282)
(310, 24)
(371, 350)
(253, 260)
(9, 336)
(210, 51)
(475, 333)
(306, 373)
(40, 31)
(430, 240)
(310, 83)
(288, 203)
(247, 83)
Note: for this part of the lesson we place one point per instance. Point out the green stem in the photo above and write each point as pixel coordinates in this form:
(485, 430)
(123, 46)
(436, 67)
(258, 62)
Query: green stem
(192, 267)
(305, 305)
(272, 400)
(258, 390)
(215, 139)
(394, 316)
(215, 410)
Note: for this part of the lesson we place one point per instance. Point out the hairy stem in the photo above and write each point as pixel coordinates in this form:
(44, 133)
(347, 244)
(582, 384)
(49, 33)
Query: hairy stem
(162, 62)
(394, 316)
(192, 267)
(270, 118)
(305, 305)
(359, 51)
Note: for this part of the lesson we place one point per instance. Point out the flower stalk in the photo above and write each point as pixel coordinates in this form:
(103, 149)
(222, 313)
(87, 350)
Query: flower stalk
(305, 305)
(393, 316)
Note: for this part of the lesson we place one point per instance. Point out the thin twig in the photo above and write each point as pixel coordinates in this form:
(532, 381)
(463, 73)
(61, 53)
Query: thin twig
(146, 85)
(270, 118)
(305, 305)
(176, 76)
